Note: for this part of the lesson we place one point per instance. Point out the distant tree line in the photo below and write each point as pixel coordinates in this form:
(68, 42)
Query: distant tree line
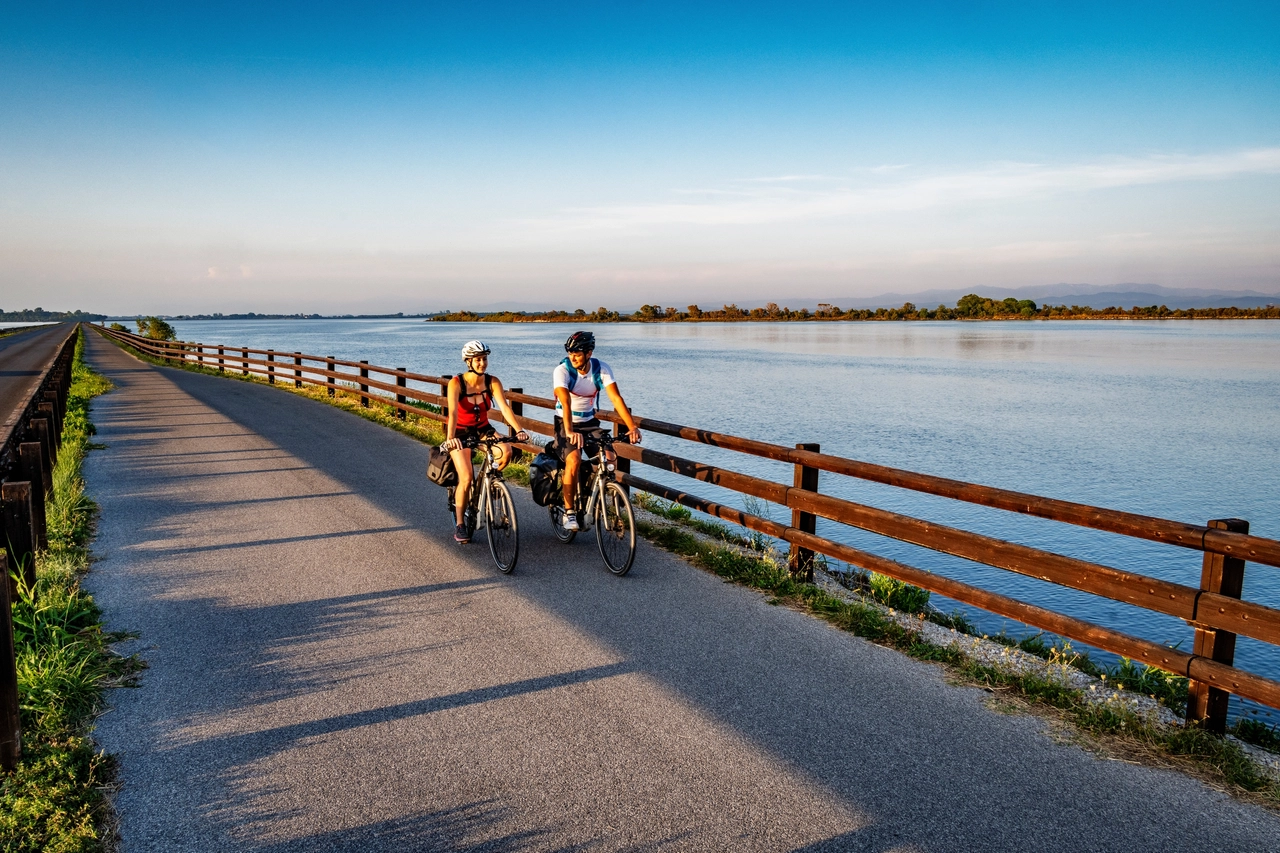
(969, 307)
(251, 315)
(39, 315)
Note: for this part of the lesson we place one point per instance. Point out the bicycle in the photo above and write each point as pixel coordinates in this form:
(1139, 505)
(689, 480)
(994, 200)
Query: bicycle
(601, 503)
(490, 500)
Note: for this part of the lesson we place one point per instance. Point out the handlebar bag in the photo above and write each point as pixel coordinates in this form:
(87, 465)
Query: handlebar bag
(440, 468)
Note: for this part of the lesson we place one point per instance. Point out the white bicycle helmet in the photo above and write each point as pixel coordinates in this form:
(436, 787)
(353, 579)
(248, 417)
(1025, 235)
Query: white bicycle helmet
(471, 349)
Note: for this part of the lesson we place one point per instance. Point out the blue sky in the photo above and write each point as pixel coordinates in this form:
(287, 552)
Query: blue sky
(302, 157)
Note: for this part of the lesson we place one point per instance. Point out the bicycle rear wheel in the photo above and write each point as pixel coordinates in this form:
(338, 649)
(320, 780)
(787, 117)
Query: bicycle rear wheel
(500, 525)
(616, 529)
(557, 524)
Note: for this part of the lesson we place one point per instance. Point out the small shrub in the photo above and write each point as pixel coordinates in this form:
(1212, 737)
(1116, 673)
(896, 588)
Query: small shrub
(1258, 733)
(1163, 686)
(156, 329)
(955, 620)
(898, 595)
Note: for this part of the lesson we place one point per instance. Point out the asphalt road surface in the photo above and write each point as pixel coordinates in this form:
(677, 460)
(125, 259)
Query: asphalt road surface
(330, 672)
(23, 357)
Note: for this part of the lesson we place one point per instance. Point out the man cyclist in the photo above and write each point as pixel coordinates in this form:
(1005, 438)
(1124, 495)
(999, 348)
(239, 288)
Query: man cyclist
(471, 395)
(577, 382)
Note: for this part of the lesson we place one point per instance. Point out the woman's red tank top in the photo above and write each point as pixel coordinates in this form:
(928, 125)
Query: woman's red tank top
(474, 414)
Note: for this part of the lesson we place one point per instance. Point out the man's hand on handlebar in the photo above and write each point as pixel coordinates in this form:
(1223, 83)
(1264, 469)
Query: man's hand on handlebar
(521, 435)
(452, 444)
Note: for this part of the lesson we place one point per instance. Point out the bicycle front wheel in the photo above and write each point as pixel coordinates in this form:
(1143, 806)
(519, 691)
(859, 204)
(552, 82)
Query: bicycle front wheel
(500, 524)
(616, 529)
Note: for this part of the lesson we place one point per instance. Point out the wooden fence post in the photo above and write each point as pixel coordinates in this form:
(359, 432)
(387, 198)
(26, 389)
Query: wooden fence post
(271, 368)
(45, 410)
(40, 430)
(364, 389)
(244, 365)
(620, 433)
(517, 408)
(400, 398)
(10, 732)
(1224, 575)
(332, 368)
(221, 361)
(297, 370)
(200, 355)
(54, 410)
(800, 560)
(19, 532)
(31, 468)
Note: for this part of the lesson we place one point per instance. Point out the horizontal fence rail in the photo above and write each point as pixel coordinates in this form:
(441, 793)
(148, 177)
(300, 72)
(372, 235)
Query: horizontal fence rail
(29, 441)
(1213, 609)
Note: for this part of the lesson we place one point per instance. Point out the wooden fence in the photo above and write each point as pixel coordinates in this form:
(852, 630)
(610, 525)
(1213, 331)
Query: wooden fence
(31, 437)
(1213, 608)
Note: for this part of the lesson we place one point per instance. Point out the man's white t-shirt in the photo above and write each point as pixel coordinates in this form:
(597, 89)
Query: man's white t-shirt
(582, 389)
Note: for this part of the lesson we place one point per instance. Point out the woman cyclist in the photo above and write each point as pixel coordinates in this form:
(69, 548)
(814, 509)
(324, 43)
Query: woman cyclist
(471, 395)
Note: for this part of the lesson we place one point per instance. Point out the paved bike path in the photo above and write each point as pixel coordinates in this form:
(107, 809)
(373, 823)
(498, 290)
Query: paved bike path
(329, 671)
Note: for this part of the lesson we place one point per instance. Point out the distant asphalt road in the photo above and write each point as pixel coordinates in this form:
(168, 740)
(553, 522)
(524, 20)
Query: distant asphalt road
(328, 671)
(22, 357)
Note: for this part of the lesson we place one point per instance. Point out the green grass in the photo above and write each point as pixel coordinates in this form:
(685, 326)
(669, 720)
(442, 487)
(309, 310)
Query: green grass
(1258, 733)
(54, 800)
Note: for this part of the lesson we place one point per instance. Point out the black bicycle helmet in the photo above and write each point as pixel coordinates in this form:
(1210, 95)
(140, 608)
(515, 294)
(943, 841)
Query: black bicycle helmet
(580, 342)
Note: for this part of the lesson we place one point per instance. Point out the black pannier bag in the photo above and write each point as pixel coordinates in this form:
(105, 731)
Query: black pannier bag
(544, 479)
(440, 469)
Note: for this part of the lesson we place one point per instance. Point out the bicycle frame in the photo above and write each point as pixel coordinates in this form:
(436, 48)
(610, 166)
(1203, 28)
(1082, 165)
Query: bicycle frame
(601, 502)
(501, 526)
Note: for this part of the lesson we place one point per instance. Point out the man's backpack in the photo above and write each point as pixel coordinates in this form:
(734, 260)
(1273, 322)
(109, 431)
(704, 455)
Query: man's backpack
(595, 372)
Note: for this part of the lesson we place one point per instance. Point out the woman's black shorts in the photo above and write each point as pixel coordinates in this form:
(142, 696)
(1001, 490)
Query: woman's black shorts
(470, 436)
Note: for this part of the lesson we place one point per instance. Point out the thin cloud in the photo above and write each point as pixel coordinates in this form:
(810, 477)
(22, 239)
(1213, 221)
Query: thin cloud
(768, 203)
(786, 179)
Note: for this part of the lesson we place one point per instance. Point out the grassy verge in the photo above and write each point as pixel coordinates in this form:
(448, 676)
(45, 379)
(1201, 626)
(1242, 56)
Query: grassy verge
(1112, 727)
(54, 800)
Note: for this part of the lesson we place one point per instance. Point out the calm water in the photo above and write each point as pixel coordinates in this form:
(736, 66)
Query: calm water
(1175, 419)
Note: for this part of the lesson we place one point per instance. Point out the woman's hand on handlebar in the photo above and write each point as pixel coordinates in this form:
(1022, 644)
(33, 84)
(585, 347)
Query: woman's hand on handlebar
(521, 435)
(452, 444)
